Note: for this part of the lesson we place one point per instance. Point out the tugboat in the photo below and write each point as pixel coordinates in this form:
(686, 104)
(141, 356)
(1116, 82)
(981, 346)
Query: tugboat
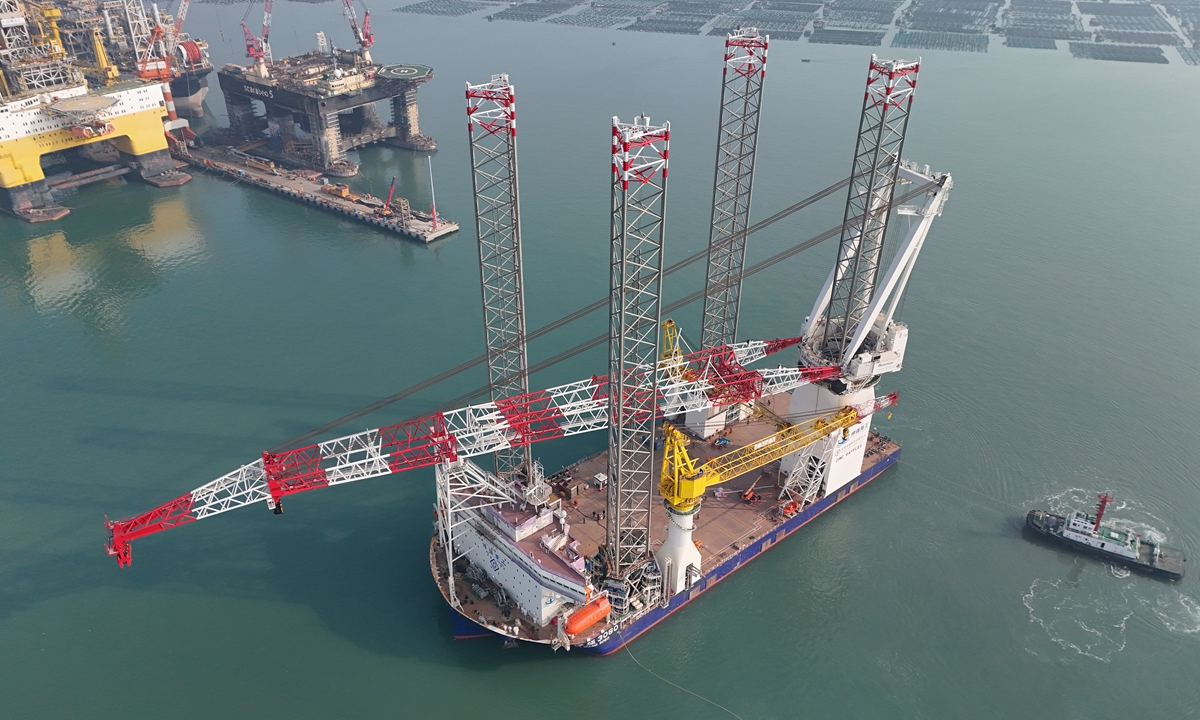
(1084, 532)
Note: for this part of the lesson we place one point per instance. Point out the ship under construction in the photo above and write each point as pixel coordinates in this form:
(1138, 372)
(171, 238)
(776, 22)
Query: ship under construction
(713, 456)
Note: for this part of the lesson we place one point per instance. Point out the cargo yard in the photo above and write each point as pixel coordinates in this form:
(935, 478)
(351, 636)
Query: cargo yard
(593, 555)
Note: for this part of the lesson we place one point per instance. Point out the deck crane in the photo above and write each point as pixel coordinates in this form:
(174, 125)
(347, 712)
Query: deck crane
(266, 32)
(364, 36)
(854, 323)
(259, 49)
(106, 70)
(683, 481)
(540, 415)
(177, 29)
(153, 62)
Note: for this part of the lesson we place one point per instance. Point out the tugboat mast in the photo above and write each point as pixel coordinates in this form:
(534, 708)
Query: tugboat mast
(1105, 499)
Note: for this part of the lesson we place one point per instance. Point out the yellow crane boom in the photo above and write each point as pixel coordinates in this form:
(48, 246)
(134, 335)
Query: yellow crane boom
(104, 67)
(683, 482)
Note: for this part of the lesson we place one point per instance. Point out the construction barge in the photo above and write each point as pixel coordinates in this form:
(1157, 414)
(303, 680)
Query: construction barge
(312, 188)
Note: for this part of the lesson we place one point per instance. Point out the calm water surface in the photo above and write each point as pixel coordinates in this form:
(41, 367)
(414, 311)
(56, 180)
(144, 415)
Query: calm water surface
(155, 339)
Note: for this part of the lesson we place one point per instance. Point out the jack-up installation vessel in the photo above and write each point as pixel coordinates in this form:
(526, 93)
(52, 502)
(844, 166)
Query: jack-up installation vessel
(709, 461)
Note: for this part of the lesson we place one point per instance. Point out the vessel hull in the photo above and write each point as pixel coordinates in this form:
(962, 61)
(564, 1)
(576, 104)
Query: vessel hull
(611, 641)
(189, 91)
(1031, 522)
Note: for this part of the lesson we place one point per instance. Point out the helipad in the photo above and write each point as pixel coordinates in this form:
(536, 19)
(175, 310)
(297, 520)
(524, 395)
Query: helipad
(83, 104)
(404, 72)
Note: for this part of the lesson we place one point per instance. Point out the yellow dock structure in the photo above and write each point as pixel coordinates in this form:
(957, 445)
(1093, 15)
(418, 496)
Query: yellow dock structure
(46, 107)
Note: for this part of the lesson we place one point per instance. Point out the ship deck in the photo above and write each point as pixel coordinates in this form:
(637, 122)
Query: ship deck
(725, 524)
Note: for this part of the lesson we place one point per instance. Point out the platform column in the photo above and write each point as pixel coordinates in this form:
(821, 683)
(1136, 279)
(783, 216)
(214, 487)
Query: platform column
(678, 557)
(241, 115)
(30, 196)
(331, 138)
(408, 129)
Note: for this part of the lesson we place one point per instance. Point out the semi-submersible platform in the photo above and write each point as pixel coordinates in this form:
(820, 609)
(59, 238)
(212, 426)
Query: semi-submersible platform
(49, 112)
(712, 458)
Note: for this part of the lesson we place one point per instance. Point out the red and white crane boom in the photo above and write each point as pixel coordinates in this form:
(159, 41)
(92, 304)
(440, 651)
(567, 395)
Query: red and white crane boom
(254, 49)
(715, 376)
(363, 36)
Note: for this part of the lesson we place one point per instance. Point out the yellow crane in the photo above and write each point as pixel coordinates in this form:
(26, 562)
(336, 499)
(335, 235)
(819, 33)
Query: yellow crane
(50, 38)
(105, 69)
(683, 481)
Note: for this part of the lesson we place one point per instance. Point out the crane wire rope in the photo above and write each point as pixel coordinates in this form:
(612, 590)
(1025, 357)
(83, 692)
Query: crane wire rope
(675, 685)
(587, 309)
(668, 308)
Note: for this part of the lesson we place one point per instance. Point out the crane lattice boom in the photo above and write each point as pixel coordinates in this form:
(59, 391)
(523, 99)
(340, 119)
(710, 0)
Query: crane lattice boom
(713, 376)
(363, 36)
(266, 31)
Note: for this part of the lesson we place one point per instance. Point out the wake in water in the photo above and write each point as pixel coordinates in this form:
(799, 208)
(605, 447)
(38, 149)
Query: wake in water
(1093, 626)
(1091, 621)
(1180, 614)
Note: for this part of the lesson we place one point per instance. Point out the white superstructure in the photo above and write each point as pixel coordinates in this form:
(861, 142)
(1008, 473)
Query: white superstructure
(32, 115)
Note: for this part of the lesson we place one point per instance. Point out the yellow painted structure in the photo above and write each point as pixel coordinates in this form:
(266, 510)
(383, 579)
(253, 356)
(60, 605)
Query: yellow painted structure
(683, 482)
(105, 68)
(136, 133)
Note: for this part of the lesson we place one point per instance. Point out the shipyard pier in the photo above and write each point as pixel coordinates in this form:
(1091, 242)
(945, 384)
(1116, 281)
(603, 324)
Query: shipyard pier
(393, 214)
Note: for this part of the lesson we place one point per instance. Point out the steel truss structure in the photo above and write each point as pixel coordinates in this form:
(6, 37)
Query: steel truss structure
(737, 139)
(462, 490)
(640, 153)
(715, 375)
(492, 130)
(15, 42)
(884, 121)
(46, 75)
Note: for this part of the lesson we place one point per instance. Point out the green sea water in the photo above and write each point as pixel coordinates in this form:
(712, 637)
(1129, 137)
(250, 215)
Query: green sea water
(155, 339)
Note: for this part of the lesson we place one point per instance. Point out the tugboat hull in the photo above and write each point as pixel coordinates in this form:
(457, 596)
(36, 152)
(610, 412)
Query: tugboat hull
(1169, 564)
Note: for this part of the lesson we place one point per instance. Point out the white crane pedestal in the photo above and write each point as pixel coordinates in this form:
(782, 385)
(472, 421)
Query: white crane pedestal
(678, 552)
